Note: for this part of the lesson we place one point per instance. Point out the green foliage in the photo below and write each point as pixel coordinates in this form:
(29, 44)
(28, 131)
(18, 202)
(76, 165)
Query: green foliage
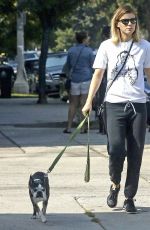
(7, 27)
(96, 14)
(90, 17)
(54, 9)
(7, 7)
(32, 32)
(64, 39)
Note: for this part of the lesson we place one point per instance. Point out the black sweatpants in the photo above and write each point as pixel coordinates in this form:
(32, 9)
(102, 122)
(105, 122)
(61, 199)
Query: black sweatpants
(126, 128)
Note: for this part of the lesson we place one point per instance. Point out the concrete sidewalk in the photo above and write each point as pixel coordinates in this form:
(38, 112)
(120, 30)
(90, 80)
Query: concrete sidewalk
(29, 142)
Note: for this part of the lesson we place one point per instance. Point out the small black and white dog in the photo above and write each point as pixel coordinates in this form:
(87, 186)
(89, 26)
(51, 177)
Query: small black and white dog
(39, 192)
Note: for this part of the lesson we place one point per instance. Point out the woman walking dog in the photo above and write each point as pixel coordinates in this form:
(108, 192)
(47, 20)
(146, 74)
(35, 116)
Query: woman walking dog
(126, 57)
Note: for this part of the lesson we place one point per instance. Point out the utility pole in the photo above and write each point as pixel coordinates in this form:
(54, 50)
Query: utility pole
(21, 84)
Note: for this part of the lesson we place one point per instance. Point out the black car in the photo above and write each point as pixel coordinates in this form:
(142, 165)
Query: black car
(54, 67)
(7, 77)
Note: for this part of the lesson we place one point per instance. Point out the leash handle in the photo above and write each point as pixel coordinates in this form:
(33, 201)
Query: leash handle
(72, 136)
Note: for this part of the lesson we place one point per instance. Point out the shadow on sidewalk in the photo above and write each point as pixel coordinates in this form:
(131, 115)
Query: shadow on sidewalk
(58, 221)
(117, 220)
(45, 137)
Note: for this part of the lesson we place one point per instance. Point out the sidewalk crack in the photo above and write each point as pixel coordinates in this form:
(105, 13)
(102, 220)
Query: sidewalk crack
(145, 179)
(12, 141)
(90, 214)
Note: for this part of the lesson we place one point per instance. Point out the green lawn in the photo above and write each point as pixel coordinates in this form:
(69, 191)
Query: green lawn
(19, 95)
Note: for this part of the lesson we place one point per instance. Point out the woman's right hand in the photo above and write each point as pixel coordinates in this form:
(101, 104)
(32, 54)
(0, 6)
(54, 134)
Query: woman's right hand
(87, 108)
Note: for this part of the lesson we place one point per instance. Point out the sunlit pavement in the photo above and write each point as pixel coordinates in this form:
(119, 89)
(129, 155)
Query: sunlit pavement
(30, 139)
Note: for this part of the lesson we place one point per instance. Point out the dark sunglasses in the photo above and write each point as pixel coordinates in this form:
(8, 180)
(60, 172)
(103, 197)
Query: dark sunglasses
(126, 21)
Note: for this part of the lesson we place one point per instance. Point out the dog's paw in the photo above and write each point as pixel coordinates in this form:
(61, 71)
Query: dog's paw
(33, 217)
(43, 218)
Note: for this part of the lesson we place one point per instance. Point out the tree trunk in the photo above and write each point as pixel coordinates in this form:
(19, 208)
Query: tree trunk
(42, 64)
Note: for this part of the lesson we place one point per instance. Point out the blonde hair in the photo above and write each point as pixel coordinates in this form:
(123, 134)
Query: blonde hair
(115, 32)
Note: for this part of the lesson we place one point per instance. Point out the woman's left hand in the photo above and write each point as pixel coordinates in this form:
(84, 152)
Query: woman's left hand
(87, 108)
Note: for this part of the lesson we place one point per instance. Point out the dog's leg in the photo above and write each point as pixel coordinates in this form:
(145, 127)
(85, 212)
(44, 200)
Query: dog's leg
(36, 210)
(45, 203)
(35, 206)
(43, 212)
(43, 217)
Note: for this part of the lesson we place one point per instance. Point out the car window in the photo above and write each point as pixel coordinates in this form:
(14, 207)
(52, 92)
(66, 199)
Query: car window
(29, 55)
(56, 61)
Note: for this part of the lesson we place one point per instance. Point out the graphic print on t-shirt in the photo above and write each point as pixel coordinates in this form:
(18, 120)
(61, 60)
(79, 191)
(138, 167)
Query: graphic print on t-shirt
(129, 72)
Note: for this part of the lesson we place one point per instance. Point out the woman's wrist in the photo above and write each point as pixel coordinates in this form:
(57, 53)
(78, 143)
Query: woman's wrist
(89, 101)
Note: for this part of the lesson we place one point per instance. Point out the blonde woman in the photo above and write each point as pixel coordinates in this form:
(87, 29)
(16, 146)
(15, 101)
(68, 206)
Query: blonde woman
(125, 101)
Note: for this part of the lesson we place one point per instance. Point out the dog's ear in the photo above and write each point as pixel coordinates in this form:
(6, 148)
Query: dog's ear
(46, 182)
(46, 178)
(31, 179)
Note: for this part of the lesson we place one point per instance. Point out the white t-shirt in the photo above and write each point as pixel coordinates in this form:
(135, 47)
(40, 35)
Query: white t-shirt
(129, 85)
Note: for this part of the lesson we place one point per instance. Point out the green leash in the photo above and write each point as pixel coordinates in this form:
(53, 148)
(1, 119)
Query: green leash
(72, 136)
(87, 171)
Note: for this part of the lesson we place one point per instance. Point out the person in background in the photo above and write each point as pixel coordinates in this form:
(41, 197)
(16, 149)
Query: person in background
(100, 94)
(79, 62)
(125, 102)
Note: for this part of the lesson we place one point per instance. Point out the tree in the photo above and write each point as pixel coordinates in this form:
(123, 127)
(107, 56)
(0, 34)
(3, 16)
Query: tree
(32, 32)
(144, 16)
(60, 19)
(92, 16)
(49, 13)
(7, 31)
(8, 41)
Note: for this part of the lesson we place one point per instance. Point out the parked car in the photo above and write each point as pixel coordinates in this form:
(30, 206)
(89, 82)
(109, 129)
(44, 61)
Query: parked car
(7, 78)
(31, 63)
(30, 55)
(54, 67)
(13, 64)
